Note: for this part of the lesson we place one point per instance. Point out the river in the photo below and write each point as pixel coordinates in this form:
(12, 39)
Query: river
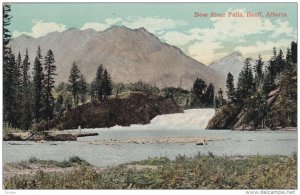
(191, 123)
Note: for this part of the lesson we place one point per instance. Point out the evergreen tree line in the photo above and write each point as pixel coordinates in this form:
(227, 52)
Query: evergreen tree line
(101, 86)
(270, 95)
(202, 95)
(28, 98)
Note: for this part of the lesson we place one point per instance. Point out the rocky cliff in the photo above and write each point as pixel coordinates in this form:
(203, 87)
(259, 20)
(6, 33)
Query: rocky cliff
(131, 108)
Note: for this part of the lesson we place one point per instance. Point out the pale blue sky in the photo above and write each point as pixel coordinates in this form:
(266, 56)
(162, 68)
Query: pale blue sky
(205, 39)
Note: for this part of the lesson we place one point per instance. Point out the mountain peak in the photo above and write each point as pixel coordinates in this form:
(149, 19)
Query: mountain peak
(128, 54)
(237, 53)
(232, 63)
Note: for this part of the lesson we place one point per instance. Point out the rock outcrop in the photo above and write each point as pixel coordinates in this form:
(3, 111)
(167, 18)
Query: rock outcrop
(130, 108)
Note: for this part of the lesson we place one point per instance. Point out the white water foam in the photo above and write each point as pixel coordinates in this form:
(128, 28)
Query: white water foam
(192, 119)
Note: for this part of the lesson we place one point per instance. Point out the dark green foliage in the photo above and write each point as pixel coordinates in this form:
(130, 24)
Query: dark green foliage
(11, 74)
(219, 99)
(270, 101)
(6, 22)
(83, 89)
(230, 87)
(11, 90)
(101, 87)
(283, 112)
(74, 82)
(276, 65)
(202, 95)
(258, 70)
(209, 95)
(97, 84)
(49, 68)
(106, 85)
(294, 52)
(26, 109)
(38, 88)
(245, 85)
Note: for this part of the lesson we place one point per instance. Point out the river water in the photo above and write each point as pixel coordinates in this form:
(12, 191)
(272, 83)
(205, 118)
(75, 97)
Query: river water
(188, 124)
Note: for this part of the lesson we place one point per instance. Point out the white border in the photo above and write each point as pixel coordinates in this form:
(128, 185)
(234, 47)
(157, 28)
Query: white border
(133, 192)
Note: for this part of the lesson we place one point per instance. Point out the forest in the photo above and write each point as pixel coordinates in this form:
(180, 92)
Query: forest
(265, 96)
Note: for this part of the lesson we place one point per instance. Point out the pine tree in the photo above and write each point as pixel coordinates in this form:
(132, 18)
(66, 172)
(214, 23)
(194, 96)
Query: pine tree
(7, 67)
(11, 96)
(280, 63)
(288, 56)
(98, 83)
(74, 83)
(258, 70)
(290, 65)
(198, 91)
(6, 22)
(49, 72)
(38, 78)
(219, 100)
(83, 89)
(294, 51)
(93, 91)
(18, 84)
(245, 85)
(208, 97)
(230, 87)
(26, 94)
(107, 85)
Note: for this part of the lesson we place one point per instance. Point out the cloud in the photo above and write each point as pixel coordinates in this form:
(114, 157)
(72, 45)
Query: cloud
(153, 24)
(205, 51)
(261, 47)
(283, 27)
(94, 25)
(176, 38)
(41, 28)
(230, 28)
(202, 43)
(101, 26)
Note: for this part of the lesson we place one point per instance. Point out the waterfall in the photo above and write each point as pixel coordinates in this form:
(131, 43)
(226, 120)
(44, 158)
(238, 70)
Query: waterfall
(192, 119)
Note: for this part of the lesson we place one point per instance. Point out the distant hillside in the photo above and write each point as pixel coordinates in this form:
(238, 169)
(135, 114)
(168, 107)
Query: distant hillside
(129, 55)
(232, 63)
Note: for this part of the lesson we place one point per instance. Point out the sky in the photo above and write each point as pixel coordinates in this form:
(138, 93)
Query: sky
(205, 39)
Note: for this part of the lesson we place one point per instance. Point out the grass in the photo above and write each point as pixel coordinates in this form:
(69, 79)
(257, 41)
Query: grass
(75, 160)
(199, 172)
(7, 129)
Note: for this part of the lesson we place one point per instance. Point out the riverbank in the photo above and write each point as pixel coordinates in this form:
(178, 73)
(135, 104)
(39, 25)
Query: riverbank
(47, 136)
(199, 172)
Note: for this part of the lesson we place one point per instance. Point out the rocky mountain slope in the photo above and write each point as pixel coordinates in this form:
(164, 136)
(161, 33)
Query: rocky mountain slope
(232, 63)
(129, 55)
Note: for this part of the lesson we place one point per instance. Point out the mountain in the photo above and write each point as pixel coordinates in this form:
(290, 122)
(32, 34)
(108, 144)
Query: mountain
(129, 55)
(232, 63)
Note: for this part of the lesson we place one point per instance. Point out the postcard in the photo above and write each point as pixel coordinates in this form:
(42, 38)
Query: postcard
(150, 96)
